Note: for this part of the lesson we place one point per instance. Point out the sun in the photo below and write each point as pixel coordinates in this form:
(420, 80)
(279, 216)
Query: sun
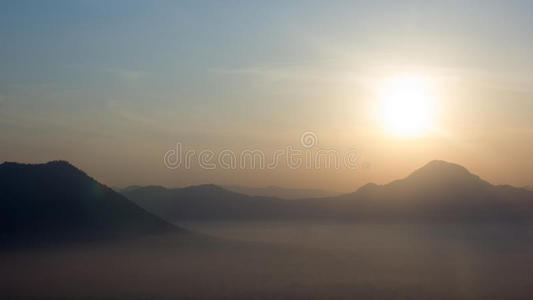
(407, 106)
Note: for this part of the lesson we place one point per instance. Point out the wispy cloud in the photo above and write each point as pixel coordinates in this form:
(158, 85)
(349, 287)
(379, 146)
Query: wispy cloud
(323, 72)
(334, 72)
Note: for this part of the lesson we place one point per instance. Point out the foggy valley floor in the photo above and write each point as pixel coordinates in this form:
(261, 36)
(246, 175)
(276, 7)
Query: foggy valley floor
(284, 260)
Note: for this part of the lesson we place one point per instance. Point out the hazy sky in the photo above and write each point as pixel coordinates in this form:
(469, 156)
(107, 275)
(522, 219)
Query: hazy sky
(112, 85)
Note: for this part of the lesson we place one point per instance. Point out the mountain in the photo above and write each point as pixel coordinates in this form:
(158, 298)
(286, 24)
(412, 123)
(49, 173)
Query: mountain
(442, 190)
(56, 201)
(437, 191)
(279, 192)
(205, 202)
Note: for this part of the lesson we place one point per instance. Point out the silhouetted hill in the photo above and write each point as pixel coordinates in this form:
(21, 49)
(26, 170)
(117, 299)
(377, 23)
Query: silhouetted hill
(437, 191)
(442, 190)
(280, 192)
(56, 201)
(205, 202)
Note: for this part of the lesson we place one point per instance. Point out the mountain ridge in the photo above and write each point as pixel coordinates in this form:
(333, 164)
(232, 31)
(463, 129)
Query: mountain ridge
(280, 192)
(438, 190)
(57, 201)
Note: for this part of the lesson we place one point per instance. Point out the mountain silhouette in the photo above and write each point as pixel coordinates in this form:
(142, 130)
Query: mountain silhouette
(56, 201)
(205, 202)
(438, 191)
(279, 192)
(441, 190)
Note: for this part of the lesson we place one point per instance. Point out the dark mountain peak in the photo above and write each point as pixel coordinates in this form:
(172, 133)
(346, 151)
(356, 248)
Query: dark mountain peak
(7, 164)
(60, 163)
(57, 199)
(50, 175)
(53, 163)
(56, 166)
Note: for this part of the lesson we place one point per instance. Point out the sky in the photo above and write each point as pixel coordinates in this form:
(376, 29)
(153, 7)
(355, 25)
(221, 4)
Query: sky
(111, 86)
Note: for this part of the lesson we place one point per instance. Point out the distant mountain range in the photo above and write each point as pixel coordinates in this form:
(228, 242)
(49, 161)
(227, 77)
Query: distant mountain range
(205, 202)
(56, 201)
(268, 191)
(438, 191)
(280, 192)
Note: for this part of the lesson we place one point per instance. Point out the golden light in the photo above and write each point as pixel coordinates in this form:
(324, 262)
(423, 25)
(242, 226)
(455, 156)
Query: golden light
(407, 106)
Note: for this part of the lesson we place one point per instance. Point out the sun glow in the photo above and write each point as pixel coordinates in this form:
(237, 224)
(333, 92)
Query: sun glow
(407, 106)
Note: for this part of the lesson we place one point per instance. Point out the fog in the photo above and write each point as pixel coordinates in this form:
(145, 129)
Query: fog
(282, 260)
